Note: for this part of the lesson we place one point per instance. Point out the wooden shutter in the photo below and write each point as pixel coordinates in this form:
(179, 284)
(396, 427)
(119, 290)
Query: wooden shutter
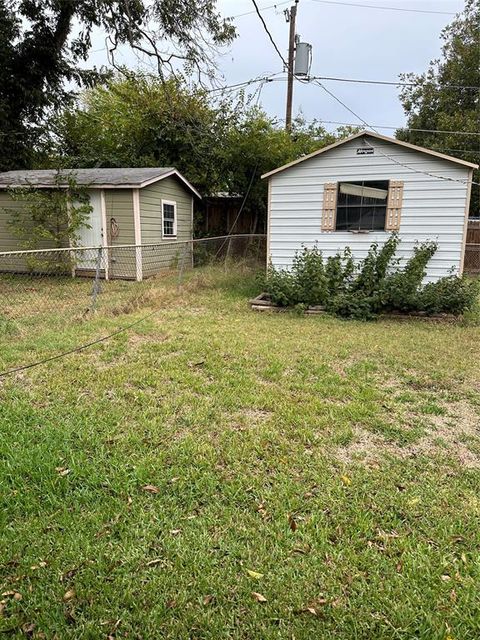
(329, 213)
(394, 206)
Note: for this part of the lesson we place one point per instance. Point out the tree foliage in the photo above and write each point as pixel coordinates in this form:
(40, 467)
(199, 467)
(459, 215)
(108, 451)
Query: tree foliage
(136, 120)
(219, 144)
(43, 42)
(435, 102)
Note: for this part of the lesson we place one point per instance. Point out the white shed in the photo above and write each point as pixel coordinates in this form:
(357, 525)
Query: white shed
(357, 191)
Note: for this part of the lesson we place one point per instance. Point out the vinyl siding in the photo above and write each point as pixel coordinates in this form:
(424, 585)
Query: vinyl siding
(158, 257)
(432, 209)
(119, 206)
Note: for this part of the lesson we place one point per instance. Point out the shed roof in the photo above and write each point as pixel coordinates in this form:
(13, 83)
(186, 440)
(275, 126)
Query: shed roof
(378, 136)
(97, 178)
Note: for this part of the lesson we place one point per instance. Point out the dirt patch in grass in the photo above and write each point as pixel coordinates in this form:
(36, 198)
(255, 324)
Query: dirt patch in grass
(248, 418)
(455, 434)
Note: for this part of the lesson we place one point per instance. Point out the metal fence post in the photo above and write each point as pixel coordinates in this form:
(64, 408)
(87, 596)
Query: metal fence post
(96, 282)
(182, 264)
(227, 254)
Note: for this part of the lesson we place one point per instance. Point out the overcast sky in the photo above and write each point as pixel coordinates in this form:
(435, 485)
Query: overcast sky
(348, 41)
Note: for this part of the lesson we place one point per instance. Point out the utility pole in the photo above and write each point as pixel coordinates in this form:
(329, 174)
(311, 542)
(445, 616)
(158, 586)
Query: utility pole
(291, 16)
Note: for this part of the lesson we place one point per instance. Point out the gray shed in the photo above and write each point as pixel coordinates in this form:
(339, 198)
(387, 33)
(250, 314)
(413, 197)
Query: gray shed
(130, 206)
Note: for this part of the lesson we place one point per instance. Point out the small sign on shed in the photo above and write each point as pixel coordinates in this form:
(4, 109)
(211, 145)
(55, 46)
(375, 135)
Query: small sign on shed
(365, 151)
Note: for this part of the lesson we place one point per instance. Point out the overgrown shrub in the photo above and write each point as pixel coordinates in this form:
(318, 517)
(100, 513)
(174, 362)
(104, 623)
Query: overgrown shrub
(372, 286)
(281, 286)
(311, 281)
(449, 295)
(401, 290)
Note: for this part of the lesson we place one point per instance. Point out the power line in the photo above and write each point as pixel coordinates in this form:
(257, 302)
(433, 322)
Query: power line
(248, 13)
(385, 155)
(375, 6)
(392, 127)
(392, 83)
(268, 33)
(349, 80)
(240, 85)
(384, 126)
(82, 347)
(350, 4)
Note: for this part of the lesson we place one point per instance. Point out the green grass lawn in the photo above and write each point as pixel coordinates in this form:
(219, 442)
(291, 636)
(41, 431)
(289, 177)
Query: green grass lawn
(153, 484)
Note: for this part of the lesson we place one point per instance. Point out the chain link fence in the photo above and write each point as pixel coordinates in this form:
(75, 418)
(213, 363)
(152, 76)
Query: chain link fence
(472, 248)
(64, 286)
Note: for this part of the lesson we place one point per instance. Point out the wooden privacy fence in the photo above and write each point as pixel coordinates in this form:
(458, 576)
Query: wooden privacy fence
(472, 248)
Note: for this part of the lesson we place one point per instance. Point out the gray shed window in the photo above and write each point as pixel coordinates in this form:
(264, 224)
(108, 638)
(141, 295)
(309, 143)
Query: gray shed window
(362, 205)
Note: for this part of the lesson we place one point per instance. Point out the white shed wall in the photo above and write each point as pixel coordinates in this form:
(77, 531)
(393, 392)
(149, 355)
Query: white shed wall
(432, 209)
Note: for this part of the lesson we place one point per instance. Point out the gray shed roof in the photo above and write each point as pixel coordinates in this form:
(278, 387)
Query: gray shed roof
(124, 178)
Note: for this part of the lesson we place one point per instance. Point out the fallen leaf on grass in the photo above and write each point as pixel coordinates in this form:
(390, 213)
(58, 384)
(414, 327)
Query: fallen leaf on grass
(445, 577)
(292, 523)
(258, 597)
(175, 532)
(346, 480)
(261, 510)
(254, 574)
(151, 488)
(208, 599)
(196, 364)
(40, 565)
(69, 595)
(70, 573)
(62, 471)
(302, 550)
(28, 628)
(12, 594)
(311, 610)
(152, 563)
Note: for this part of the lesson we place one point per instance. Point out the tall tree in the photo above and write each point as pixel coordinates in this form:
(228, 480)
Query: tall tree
(437, 102)
(217, 143)
(43, 42)
(257, 145)
(137, 120)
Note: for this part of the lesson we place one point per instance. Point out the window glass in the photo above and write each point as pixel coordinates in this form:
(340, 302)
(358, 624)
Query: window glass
(168, 219)
(362, 205)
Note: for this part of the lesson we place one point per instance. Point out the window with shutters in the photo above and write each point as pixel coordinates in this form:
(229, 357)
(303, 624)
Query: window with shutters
(169, 219)
(362, 205)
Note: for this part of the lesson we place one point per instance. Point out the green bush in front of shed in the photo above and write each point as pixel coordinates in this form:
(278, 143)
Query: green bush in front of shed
(50, 218)
(375, 285)
(450, 295)
(401, 289)
(311, 281)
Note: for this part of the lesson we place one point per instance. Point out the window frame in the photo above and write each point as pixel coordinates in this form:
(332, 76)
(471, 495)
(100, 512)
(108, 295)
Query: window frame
(364, 183)
(174, 205)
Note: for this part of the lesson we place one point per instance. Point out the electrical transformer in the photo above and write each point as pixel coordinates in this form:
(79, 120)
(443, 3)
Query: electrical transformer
(303, 59)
